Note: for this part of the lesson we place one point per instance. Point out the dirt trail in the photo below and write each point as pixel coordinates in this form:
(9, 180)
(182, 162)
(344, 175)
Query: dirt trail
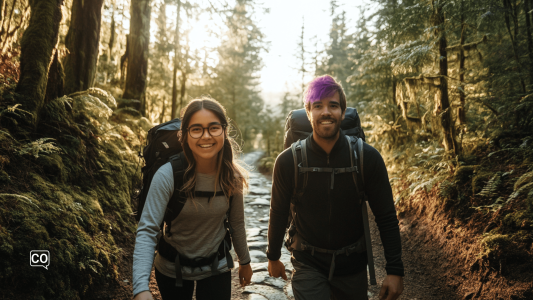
(423, 261)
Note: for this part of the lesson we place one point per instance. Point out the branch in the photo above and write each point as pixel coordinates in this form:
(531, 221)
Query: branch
(467, 47)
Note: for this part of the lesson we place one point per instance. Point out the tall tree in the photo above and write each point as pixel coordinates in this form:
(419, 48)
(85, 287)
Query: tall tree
(442, 105)
(301, 57)
(177, 52)
(160, 73)
(138, 39)
(37, 49)
(239, 61)
(83, 42)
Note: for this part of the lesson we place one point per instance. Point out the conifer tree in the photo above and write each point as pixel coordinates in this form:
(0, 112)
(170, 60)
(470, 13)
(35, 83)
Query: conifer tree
(236, 82)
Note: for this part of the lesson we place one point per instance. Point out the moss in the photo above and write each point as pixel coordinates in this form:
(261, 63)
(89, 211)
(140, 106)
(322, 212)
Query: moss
(53, 166)
(68, 203)
(521, 219)
(529, 201)
(479, 181)
(4, 177)
(464, 173)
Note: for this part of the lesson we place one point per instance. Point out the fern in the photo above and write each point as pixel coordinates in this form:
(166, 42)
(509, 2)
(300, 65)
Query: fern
(39, 146)
(491, 187)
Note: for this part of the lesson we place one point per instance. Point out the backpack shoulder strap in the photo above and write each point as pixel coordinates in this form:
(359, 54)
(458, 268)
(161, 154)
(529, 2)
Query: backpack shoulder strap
(356, 146)
(177, 200)
(300, 158)
(356, 160)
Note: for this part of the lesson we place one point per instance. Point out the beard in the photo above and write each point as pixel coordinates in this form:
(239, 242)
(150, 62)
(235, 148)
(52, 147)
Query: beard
(329, 133)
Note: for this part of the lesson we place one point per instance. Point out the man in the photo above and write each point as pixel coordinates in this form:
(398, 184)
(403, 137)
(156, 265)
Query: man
(329, 217)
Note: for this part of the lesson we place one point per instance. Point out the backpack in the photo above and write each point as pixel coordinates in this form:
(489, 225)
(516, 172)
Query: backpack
(297, 129)
(163, 146)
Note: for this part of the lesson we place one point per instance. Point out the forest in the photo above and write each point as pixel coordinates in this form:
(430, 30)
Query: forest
(444, 89)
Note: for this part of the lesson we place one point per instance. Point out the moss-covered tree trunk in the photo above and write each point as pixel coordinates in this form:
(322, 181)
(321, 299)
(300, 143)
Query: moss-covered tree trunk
(529, 40)
(37, 50)
(82, 41)
(443, 109)
(139, 38)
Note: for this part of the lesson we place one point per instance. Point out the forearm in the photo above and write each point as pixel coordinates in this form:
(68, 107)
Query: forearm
(239, 230)
(276, 232)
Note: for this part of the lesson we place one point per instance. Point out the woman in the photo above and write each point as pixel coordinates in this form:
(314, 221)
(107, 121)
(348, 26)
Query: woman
(198, 233)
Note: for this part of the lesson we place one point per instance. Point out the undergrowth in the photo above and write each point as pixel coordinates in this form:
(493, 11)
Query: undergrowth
(488, 191)
(65, 187)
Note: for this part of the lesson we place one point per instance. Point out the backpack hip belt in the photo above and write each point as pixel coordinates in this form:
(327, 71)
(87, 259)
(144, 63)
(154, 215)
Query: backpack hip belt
(296, 242)
(170, 253)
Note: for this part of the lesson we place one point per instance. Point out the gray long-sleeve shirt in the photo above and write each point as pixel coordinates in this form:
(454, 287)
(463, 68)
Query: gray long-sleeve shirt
(196, 232)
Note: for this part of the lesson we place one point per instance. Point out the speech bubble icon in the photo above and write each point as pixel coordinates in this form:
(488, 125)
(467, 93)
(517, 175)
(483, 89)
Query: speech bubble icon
(40, 258)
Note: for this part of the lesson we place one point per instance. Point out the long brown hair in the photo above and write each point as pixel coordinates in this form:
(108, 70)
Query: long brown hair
(231, 176)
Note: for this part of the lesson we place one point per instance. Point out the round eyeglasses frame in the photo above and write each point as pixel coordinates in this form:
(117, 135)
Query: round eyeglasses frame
(208, 131)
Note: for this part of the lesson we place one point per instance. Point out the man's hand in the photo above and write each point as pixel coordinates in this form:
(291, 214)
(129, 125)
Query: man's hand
(146, 295)
(392, 287)
(245, 274)
(276, 269)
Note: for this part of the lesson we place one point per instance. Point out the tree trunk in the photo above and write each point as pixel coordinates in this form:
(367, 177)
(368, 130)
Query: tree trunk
(443, 102)
(184, 74)
(37, 47)
(56, 80)
(529, 41)
(163, 109)
(139, 39)
(176, 64)
(509, 11)
(124, 62)
(82, 42)
(4, 31)
(2, 9)
(461, 115)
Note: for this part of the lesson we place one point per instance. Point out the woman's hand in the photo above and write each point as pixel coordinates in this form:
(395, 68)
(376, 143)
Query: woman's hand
(245, 274)
(146, 295)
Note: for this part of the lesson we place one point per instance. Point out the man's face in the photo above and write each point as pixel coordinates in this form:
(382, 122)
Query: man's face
(326, 116)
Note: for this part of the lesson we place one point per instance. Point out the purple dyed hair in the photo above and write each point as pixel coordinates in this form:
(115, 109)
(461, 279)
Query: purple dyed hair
(322, 87)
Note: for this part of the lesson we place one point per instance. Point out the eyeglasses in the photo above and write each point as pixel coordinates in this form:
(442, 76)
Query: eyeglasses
(214, 130)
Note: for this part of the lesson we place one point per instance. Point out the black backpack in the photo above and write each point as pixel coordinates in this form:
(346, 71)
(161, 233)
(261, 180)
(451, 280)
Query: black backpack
(162, 146)
(297, 129)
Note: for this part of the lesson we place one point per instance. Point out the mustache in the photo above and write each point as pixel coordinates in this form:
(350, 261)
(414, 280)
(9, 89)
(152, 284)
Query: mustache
(327, 119)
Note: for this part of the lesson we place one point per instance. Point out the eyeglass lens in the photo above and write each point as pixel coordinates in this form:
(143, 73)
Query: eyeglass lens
(197, 132)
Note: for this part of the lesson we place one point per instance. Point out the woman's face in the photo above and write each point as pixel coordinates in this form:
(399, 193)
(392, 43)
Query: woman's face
(206, 146)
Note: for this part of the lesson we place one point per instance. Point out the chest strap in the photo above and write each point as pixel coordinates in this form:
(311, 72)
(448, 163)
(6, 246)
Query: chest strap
(333, 171)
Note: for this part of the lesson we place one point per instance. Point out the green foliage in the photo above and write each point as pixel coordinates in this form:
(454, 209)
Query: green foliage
(69, 194)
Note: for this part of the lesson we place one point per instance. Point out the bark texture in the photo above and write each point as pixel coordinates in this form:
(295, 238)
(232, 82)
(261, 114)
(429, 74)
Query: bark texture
(139, 38)
(56, 80)
(37, 49)
(442, 105)
(82, 41)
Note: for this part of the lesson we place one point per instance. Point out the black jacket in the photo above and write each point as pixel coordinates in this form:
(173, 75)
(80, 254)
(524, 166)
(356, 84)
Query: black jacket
(331, 218)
